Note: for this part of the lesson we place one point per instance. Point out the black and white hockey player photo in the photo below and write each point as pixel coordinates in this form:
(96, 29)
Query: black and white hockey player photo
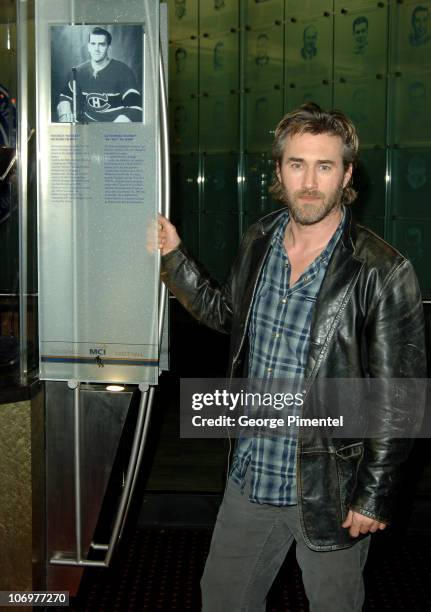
(89, 83)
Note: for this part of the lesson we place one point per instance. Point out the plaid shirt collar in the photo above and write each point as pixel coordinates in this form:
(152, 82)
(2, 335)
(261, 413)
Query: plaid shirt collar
(278, 239)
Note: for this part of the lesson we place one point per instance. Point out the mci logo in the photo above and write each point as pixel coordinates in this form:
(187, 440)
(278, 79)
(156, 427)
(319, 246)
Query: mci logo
(97, 352)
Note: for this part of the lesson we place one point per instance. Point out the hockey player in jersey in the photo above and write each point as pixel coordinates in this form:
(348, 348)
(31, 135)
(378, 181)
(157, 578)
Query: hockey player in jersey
(106, 89)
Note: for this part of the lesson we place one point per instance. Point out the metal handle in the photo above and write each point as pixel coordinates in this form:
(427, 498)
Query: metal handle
(130, 481)
(165, 185)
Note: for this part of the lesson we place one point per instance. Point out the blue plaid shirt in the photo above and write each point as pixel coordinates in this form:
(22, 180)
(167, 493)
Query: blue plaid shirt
(279, 338)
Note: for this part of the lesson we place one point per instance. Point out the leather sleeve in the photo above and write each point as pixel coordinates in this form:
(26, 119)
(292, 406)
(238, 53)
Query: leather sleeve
(204, 298)
(396, 350)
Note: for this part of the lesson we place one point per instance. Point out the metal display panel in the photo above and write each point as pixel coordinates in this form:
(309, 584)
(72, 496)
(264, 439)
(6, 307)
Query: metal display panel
(219, 63)
(183, 124)
(263, 111)
(218, 16)
(360, 42)
(218, 239)
(411, 36)
(365, 103)
(183, 18)
(184, 183)
(411, 104)
(411, 238)
(183, 68)
(411, 182)
(219, 123)
(259, 169)
(309, 49)
(263, 12)
(98, 189)
(220, 184)
(264, 58)
(369, 180)
(300, 93)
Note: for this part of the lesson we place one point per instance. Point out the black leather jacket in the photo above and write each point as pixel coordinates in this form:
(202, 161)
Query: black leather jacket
(368, 322)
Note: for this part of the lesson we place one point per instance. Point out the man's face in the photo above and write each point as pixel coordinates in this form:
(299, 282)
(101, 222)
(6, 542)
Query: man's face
(310, 37)
(98, 47)
(180, 8)
(262, 46)
(360, 33)
(313, 176)
(420, 23)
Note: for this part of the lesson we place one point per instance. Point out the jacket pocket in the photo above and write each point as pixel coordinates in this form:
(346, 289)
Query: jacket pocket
(348, 459)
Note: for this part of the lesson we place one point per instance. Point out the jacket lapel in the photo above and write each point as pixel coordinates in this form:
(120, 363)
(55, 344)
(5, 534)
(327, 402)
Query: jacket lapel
(337, 286)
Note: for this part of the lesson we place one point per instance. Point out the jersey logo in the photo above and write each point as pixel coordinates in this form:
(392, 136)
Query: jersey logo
(98, 101)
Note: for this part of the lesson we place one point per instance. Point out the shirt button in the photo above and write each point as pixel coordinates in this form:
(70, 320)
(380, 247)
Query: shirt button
(306, 278)
(269, 370)
(276, 335)
(284, 301)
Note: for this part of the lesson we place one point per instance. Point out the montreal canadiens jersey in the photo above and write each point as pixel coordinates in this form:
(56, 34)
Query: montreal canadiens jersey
(106, 94)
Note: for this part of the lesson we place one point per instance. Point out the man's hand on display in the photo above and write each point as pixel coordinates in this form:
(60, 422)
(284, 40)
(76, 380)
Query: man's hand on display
(167, 236)
(359, 523)
(66, 118)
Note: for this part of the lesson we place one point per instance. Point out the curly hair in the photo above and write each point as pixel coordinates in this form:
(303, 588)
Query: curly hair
(311, 119)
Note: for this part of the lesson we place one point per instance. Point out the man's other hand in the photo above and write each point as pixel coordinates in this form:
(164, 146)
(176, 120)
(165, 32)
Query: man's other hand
(167, 236)
(359, 523)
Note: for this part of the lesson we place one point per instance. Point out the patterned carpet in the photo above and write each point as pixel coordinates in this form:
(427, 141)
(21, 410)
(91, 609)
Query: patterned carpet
(161, 568)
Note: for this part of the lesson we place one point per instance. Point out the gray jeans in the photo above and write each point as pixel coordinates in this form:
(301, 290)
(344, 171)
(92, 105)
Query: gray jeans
(249, 544)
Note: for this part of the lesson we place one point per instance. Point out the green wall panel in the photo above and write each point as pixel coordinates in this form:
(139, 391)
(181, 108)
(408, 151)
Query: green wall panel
(411, 183)
(220, 185)
(219, 63)
(219, 123)
(264, 58)
(218, 242)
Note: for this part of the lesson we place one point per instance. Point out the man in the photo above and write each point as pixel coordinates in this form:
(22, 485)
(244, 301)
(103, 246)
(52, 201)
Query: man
(105, 88)
(262, 57)
(180, 60)
(309, 50)
(180, 9)
(311, 297)
(360, 34)
(420, 18)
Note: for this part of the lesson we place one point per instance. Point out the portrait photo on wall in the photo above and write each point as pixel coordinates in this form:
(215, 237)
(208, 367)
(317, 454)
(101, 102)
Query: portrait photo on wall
(96, 73)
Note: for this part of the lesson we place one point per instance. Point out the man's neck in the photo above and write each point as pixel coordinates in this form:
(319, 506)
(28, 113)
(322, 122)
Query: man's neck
(98, 66)
(310, 238)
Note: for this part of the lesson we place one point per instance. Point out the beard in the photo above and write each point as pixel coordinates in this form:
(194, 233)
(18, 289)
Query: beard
(311, 212)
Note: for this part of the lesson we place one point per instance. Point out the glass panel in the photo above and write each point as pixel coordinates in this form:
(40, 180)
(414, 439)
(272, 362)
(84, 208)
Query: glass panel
(375, 224)
(183, 68)
(412, 35)
(258, 178)
(263, 111)
(218, 243)
(218, 15)
(299, 8)
(308, 92)
(365, 103)
(184, 184)
(309, 44)
(361, 42)
(411, 238)
(221, 183)
(219, 63)
(98, 190)
(369, 182)
(183, 18)
(219, 123)
(411, 183)
(263, 12)
(183, 123)
(411, 116)
(264, 58)
(188, 229)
